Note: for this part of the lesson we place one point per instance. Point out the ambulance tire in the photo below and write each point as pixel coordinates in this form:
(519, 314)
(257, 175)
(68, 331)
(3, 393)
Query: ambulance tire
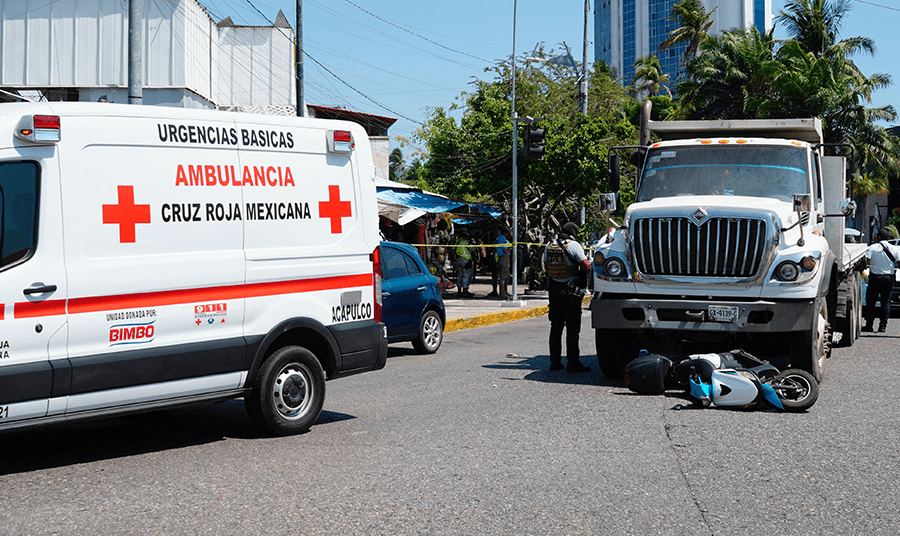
(431, 333)
(289, 392)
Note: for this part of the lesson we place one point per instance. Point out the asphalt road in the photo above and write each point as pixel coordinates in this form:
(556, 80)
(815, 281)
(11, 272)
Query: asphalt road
(480, 439)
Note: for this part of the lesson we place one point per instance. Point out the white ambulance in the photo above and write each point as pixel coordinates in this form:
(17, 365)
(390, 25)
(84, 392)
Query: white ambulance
(152, 257)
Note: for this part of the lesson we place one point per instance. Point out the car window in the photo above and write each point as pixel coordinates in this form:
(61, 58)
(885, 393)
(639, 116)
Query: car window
(411, 265)
(393, 263)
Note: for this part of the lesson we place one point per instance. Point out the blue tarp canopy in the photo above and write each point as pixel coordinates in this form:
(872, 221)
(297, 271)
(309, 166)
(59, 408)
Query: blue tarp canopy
(403, 203)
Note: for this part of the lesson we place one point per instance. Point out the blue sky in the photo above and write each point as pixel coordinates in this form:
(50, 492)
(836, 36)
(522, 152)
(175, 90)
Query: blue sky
(400, 58)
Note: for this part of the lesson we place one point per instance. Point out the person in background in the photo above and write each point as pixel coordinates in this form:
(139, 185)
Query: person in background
(504, 257)
(463, 264)
(883, 257)
(495, 266)
(564, 261)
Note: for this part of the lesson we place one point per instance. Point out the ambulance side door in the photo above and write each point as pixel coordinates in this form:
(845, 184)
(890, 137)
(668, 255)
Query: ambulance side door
(32, 285)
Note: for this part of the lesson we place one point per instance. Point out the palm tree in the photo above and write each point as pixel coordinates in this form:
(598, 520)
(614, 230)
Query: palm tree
(731, 78)
(694, 23)
(818, 78)
(396, 165)
(649, 72)
(815, 24)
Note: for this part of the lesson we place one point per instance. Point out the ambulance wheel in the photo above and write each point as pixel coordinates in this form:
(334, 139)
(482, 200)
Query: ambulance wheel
(796, 389)
(289, 392)
(431, 333)
(810, 348)
(614, 351)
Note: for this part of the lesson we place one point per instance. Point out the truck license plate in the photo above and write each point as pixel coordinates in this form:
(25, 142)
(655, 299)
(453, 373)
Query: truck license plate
(722, 313)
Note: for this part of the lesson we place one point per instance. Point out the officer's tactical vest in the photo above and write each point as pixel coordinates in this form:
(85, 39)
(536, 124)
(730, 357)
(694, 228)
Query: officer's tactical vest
(557, 265)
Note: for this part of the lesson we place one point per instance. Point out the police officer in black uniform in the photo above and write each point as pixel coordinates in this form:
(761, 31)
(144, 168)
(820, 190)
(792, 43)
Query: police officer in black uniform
(564, 260)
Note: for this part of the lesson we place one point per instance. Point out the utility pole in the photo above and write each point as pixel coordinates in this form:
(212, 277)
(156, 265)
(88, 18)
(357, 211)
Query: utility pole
(298, 53)
(583, 81)
(515, 172)
(135, 51)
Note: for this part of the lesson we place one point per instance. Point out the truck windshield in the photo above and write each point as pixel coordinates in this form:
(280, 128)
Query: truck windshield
(748, 170)
(18, 214)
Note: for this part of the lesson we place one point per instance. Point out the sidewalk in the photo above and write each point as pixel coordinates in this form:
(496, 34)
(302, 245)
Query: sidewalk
(465, 313)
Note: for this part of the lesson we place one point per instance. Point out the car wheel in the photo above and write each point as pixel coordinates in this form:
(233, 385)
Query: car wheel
(431, 333)
(289, 392)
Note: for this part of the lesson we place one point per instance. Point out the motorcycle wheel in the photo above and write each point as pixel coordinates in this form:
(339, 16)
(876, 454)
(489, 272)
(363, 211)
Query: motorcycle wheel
(797, 389)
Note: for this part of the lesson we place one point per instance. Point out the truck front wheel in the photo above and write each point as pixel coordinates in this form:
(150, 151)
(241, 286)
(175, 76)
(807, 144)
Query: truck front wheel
(810, 348)
(615, 350)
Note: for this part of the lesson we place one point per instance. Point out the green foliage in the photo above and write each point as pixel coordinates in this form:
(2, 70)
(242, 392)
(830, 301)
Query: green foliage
(471, 159)
(649, 77)
(742, 74)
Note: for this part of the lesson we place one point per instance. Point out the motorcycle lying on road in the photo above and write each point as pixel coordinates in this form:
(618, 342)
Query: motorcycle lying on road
(734, 379)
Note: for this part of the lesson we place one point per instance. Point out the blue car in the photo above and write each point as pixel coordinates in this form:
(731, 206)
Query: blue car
(412, 308)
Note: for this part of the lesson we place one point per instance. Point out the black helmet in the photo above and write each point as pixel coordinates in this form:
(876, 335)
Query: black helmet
(570, 229)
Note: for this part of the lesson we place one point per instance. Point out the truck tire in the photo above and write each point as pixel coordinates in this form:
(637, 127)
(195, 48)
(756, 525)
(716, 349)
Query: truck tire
(859, 303)
(850, 325)
(289, 392)
(614, 351)
(810, 348)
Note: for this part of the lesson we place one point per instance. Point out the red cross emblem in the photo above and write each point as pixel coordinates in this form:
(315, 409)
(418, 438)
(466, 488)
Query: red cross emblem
(334, 208)
(126, 214)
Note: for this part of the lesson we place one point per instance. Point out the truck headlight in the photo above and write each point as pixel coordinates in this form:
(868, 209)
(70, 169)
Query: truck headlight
(615, 267)
(787, 271)
(808, 263)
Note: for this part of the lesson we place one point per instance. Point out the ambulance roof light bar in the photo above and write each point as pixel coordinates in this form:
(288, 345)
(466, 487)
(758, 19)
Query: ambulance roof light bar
(340, 141)
(39, 128)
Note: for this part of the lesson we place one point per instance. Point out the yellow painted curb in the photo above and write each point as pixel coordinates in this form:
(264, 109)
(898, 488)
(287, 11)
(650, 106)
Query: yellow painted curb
(488, 319)
(457, 324)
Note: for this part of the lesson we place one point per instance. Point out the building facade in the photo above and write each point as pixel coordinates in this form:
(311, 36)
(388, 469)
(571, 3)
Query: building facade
(627, 30)
(77, 50)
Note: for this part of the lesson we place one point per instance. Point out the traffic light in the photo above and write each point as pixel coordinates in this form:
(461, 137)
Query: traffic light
(534, 143)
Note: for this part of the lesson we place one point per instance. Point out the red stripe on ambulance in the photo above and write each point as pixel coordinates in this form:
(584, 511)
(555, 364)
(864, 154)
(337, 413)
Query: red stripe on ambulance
(176, 297)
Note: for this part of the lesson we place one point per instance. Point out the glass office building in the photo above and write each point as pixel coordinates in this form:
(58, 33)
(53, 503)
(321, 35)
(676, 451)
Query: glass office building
(626, 30)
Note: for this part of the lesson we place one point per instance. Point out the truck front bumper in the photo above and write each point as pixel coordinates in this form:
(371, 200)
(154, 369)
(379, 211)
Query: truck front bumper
(709, 315)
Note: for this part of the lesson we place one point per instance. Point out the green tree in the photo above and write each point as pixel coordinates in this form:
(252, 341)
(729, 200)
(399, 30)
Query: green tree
(471, 158)
(731, 78)
(693, 27)
(396, 165)
(649, 73)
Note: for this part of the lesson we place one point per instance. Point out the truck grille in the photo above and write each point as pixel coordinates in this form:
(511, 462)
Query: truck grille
(720, 247)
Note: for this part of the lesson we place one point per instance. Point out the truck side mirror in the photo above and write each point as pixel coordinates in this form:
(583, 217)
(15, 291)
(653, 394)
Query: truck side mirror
(802, 202)
(608, 202)
(848, 207)
(614, 172)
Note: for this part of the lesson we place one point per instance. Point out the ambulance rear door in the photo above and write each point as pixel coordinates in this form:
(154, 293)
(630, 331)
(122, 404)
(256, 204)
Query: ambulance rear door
(304, 228)
(32, 284)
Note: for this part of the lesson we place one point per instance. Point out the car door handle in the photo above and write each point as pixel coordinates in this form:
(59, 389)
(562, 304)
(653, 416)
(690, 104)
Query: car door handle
(385, 293)
(39, 290)
(421, 288)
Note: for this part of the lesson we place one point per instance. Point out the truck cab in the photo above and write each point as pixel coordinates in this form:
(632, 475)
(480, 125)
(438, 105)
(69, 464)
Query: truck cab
(735, 239)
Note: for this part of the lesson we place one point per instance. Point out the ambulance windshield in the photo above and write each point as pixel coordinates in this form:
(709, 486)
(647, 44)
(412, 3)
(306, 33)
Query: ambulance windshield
(750, 170)
(18, 198)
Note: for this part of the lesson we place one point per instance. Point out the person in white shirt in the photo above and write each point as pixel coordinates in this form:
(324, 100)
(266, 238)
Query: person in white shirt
(883, 257)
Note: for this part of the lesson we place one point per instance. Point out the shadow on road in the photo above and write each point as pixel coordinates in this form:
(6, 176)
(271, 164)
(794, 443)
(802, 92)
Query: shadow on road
(540, 365)
(70, 444)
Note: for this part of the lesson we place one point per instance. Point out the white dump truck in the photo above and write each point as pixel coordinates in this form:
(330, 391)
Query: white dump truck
(735, 239)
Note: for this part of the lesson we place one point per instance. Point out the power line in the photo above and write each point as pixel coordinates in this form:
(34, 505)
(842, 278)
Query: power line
(878, 5)
(414, 33)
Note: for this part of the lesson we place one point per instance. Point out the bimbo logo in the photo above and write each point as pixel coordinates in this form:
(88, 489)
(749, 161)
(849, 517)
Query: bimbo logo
(131, 334)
